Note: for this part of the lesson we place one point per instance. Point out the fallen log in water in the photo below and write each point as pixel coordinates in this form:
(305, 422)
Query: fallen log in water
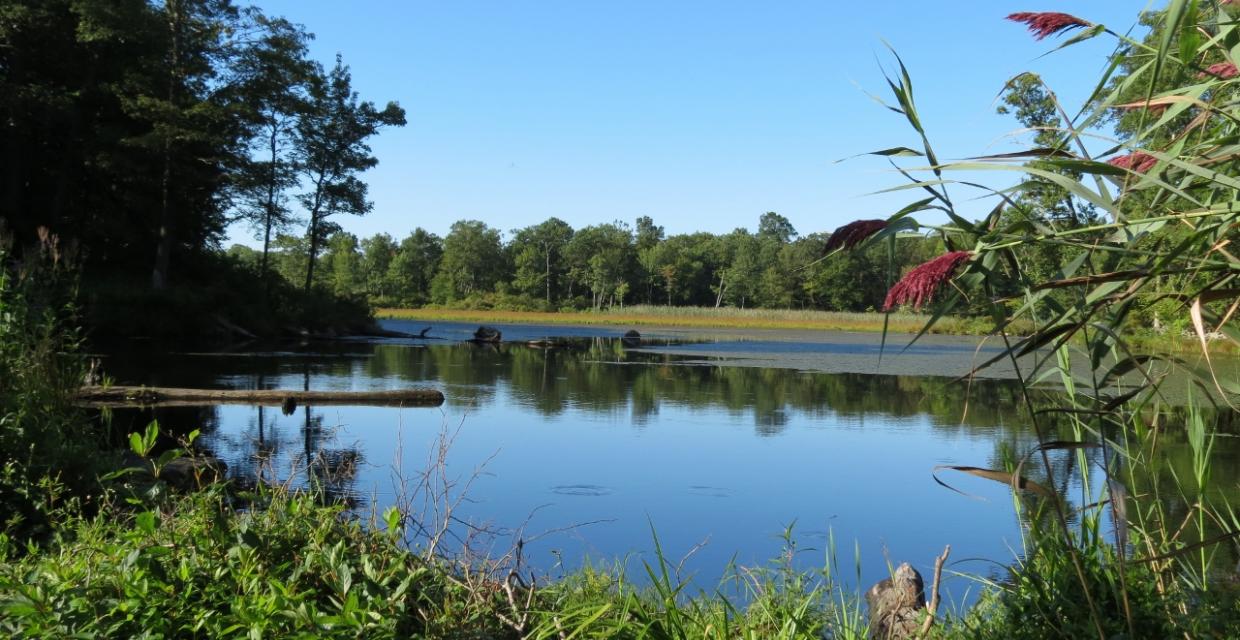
(118, 396)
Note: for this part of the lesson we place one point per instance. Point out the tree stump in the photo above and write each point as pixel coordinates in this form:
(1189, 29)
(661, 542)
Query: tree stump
(896, 605)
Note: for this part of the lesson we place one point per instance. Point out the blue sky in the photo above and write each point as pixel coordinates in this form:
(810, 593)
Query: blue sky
(700, 114)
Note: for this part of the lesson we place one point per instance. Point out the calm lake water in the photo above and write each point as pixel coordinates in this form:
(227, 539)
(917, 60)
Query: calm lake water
(716, 443)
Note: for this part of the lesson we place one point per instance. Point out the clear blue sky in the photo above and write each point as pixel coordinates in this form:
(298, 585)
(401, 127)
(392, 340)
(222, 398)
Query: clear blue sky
(700, 114)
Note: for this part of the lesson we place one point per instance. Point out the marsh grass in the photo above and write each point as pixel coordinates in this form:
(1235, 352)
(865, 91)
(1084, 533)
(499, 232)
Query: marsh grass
(705, 317)
(1136, 553)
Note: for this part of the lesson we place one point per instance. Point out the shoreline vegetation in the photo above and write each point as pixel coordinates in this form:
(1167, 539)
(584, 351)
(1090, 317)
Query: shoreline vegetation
(654, 316)
(696, 317)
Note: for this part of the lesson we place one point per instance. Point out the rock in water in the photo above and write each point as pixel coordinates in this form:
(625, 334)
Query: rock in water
(487, 334)
(896, 605)
(189, 474)
(631, 338)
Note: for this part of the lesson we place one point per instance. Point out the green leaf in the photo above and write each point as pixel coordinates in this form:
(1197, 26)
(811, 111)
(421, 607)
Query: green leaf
(1082, 36)
(1190, 38)
(893, 152)
(136, 445)
(1174, 17)
(146, 521)
(168, 456)
(393, 519)
(151, 436)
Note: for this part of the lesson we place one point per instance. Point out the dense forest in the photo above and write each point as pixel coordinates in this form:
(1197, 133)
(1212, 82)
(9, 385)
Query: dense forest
(135, 132)
(551, 266)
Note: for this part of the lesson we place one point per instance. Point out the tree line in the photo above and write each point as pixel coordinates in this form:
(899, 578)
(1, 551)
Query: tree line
(552, 266)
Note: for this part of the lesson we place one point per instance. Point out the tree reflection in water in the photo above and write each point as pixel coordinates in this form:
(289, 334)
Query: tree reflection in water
(601, 376)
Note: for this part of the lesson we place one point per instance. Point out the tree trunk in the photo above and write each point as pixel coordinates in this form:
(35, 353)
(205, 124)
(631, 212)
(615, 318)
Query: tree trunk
(314, 228)
(163, 247)
(719, 296)
(15, 171)
(313, 250)
(269, 220)
(547, 253)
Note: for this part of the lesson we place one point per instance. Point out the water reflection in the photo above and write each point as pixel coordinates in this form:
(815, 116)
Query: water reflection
(597, 375)
(590, 430)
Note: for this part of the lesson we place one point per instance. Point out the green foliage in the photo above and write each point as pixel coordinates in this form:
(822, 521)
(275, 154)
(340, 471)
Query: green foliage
(138, 130)
(273, 73)
(413, 268)
(538, 258)
(776, 602)
(473, 262)
(44, 449)
(330, 148)
(1078, 248)
(604, 266)
(1044, 597)
(199, 569)
(220, 287)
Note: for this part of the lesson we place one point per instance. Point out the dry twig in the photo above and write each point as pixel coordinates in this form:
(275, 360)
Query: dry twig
(933, 606)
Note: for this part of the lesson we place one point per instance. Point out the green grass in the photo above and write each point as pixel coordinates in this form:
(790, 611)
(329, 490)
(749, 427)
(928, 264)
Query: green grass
(195, 567)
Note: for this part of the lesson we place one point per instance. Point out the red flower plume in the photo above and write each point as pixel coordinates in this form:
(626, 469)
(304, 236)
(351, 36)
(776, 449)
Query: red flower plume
(1137, 161)
(1048, 23)
(1224, 70)
(919, 285)
(853, 234)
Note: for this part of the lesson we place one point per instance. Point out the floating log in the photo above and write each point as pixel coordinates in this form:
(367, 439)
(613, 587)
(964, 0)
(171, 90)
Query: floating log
(379, 332)
(118, 396)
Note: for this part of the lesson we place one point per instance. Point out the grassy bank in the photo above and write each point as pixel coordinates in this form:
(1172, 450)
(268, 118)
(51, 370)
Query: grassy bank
(786, 319)
(702, 317)
(195, 567)
(286, 565)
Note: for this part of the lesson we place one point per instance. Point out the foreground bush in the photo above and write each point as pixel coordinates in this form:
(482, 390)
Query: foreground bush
(200, 569)
(203, 570)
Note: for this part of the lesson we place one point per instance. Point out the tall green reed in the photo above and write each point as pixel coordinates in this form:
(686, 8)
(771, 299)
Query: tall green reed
(1154, 227)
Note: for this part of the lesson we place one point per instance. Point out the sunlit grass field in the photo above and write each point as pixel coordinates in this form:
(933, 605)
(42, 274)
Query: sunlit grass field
(705, 317)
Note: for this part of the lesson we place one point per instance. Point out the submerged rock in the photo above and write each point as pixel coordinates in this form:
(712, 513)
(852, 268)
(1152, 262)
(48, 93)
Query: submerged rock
(185, 473)
(193, 473)
(487, 334)
(896, 605)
